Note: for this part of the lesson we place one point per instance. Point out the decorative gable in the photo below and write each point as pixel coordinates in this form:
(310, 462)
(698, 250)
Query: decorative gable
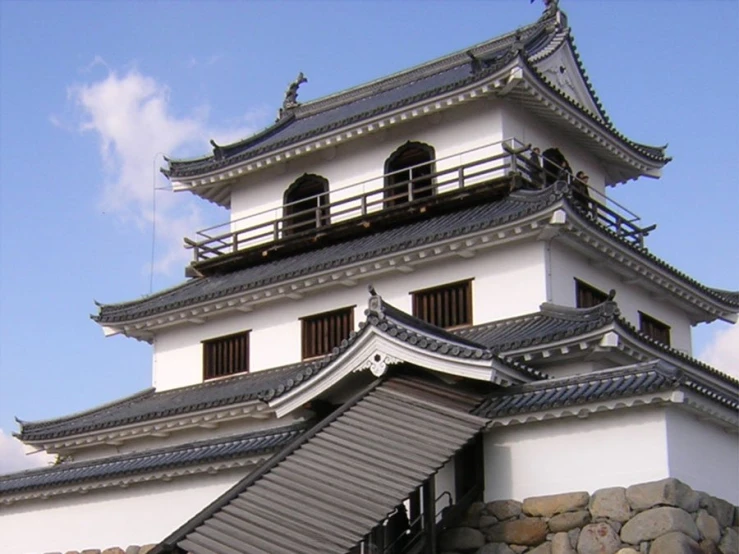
(560, 66)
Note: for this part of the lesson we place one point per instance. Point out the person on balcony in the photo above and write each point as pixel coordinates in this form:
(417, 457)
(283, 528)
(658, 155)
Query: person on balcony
(535, 168)
(581, 191)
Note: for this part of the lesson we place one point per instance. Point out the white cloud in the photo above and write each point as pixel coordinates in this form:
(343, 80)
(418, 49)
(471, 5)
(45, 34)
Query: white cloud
(723, 351)
(14, 457)
(131, 115)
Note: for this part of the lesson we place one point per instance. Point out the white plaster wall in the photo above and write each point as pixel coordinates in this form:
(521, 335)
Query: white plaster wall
(445, 482)
(703, 455)
(361, 161)
(566, 265)
(508, 280)
(605, 450)
(518, 123)
(142, 514)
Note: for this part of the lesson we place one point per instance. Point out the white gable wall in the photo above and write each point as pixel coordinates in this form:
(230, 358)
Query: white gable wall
(703, 455)
(142, 514)
(508, 280)
(567, 265)
(572, 454)
(362, 160)
(611, 449)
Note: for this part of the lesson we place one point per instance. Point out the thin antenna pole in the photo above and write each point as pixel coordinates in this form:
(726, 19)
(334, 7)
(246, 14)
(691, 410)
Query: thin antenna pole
(153, 218)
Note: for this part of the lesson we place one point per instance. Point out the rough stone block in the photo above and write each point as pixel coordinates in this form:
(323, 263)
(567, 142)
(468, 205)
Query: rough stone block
(561, 544)
(114, 550)
(545, 548)
(729, 542)
(627, 550)
(145, 549)
(708, 526)
(674, 543)
(667, 492)
(518, 548)
(91, 551)
(569, 520)
(528, 531)
(133, 549)
(554, 504)
(610, 503)
(462, 538)
(708, 547)
(598, 538)
(495, 548)
(487, 521)
(656, 522)
(722, 510)
(504, 509)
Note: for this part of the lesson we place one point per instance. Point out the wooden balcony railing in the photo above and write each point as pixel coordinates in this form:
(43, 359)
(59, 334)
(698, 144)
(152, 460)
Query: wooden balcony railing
(372, 197)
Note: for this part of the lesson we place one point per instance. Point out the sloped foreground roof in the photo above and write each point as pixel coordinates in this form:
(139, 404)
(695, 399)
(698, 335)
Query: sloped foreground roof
(333, 486)
(208, 451)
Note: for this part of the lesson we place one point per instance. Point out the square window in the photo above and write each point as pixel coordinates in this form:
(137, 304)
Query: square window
(587, 296)
(323, 332)
(448, 306)
(654, 328)
(226, 355)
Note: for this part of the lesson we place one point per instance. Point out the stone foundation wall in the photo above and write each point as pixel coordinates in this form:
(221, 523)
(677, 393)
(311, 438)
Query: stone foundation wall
(133, 549)
(661, 517)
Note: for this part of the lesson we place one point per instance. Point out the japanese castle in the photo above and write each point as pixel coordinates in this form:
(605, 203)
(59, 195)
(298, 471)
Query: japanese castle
(423, 307)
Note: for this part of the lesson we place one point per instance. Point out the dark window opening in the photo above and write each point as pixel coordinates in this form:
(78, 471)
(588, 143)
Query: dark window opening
(654, 328)
(306, 205)
(408, 173)
(468, 469)
(323, 332)
(447, 307)
(555, 165)
(588, 296)
(226, 355)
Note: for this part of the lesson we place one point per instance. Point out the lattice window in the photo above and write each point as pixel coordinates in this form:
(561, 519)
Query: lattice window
(588, 296)
(323, 332)
(226, 355)
(654, 328)
(447, 307)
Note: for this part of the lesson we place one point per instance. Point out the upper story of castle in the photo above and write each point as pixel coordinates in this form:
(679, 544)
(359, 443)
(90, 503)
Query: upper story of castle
(449, 125)
(467, 190)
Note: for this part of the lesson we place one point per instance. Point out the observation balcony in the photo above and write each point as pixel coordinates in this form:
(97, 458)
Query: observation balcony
(478, 175)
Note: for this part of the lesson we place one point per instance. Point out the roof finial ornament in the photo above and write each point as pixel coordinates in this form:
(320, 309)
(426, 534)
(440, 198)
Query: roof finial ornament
(291, 95)
(218, 153)
(374, 306)
(611, 295)
(475, 62)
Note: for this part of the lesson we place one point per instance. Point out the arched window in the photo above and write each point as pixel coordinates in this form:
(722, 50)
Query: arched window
(305, 205)
(555, 166)
(408, 173)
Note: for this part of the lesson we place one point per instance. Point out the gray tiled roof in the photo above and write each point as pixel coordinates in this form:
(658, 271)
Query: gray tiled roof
(515, 206)
(150, 405)
(264, 385)
(596, 386)
(550, 324)
(212, 450)
(436, 228)
(325, 114)
(336, 474)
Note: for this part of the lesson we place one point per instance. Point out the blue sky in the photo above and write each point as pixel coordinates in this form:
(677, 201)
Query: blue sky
(91, 92)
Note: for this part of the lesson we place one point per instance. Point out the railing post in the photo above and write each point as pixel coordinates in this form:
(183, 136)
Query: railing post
(429, 505)
(410, 189)
(460, 171)
(235, 244)
(364, 204)
(275, 229)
